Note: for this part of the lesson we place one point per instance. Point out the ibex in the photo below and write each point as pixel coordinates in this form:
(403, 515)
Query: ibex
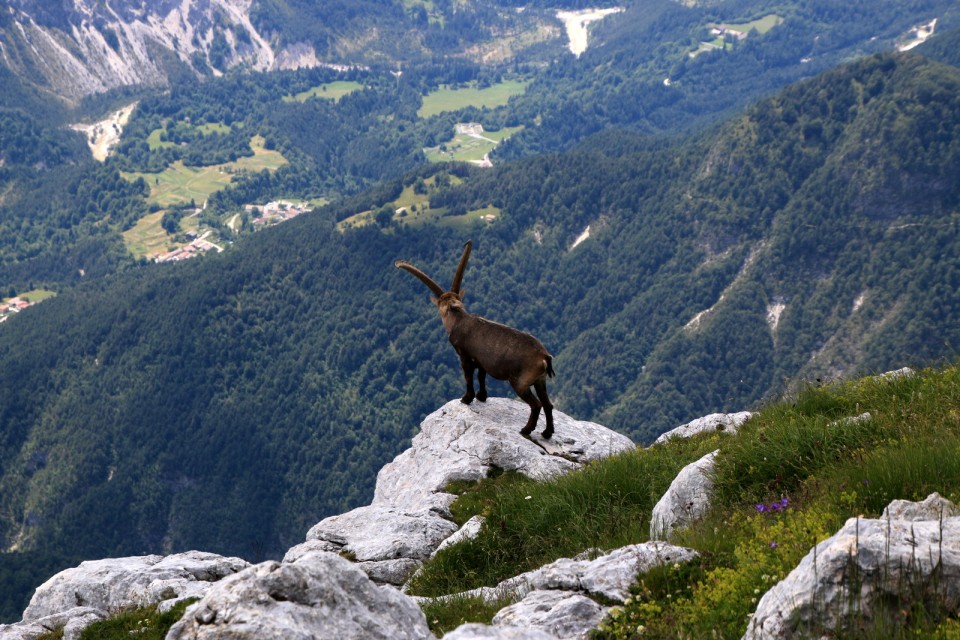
(489, 347)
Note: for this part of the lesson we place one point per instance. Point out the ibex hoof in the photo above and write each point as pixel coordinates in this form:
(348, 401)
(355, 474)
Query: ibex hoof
(526, 432)
(547, 433)
(482, 396)
(467, 399)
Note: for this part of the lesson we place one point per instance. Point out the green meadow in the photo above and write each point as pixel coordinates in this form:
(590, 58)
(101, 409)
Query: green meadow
(449, 99)
(179, 184)
(468, 148)
(414, 209)
(328, 91)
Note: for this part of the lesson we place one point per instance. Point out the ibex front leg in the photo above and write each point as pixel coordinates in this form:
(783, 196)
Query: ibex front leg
(468, 367)
(482, 381)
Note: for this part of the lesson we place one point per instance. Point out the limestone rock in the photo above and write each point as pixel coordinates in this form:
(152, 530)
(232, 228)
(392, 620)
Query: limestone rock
(464, 442)
(932, 508)
(889, 556)
(116, 583)
(562, 614)
(476, 631)
(72, 621)
(468, 531)
(726, 422)
(319, 595)
(686, 500)
(611, 575)
(378, 532)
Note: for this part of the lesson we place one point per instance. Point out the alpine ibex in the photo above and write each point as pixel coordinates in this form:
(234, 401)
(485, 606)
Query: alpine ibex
(489, 347)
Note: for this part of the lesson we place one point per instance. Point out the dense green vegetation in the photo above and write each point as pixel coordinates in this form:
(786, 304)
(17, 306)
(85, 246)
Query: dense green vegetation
(792, 453)
(231, 403)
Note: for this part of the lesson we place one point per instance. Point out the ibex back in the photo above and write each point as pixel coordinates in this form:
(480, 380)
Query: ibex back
(492, 348)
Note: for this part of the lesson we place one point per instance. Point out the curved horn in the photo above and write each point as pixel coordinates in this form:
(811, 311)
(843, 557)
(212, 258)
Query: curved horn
(455, 287)
(424, 278)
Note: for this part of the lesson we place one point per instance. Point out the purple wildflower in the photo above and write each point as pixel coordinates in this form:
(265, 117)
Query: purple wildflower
(773, 545)
(761, 507)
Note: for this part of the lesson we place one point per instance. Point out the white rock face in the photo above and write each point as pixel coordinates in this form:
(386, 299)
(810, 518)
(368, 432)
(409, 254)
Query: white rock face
(475, 631)
(83, 60)
(611, 575)
(561, 614)
(320, 595)
(464, 442)
(408, 516)
(726, 422)
(932, 508)
(75, 598)
(116, 583)
(468, 531)
(686, 500)
(890, 556)
(73, 622)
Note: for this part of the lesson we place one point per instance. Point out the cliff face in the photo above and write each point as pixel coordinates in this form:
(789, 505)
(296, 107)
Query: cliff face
(80, 48)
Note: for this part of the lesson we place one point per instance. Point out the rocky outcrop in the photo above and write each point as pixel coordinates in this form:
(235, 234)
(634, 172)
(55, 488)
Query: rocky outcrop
(560, 599)
(320, 595)
(98, 46)
(327, 586)
(76, 597)
(466, 442)
(409, 516)
(915, 547)
(561, 614)
(725, 422)
(686, 500)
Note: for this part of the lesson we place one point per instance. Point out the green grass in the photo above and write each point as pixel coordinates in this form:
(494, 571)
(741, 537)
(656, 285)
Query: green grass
(449, 99)
(35, 295)
(144, 623)
(327, 91)
(448, 614)
(762, 25)
(411, 208)
(466, 148)
(179, 184)
(804, 448)
(529, 524)
(147, 238)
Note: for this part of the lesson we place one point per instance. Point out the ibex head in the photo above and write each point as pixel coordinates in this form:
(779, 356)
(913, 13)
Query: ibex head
(446, 301)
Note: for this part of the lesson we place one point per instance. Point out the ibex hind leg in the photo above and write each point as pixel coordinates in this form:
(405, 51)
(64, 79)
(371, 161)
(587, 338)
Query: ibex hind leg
(482, 384)
(468, 368)
(527, 396)
(541, 388)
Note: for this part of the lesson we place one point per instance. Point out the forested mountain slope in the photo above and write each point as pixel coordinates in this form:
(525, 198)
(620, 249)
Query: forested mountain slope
(229, 403)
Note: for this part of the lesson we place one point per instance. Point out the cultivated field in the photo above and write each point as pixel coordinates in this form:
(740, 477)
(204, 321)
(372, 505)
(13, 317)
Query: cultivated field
(414, 209)
(179, 184)
(329, 91)
(469, 147)
(148, 239)
(448, 99)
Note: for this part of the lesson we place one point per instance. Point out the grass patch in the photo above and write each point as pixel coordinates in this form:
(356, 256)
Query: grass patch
(469, 148)
(179, 184)
(147, 238)
(36, 295)
(831, 467)
(326, 91)
(762, 25)
(143, 623)
(604, 505)
(449, 613)
(450, 99)
(815, 454)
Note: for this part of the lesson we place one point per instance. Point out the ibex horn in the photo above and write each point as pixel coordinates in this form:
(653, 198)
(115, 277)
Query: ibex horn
(424, 278)
(455, 287)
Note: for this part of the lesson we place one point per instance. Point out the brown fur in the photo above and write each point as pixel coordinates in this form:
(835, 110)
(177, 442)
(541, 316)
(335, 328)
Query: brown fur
(492, 348)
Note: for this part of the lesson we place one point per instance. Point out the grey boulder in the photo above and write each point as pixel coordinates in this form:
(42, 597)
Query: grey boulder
(319, 595)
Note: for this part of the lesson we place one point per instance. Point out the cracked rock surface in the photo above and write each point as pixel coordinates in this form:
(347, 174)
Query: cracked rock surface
(912, 547)
(464, 442)
(320, 595)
